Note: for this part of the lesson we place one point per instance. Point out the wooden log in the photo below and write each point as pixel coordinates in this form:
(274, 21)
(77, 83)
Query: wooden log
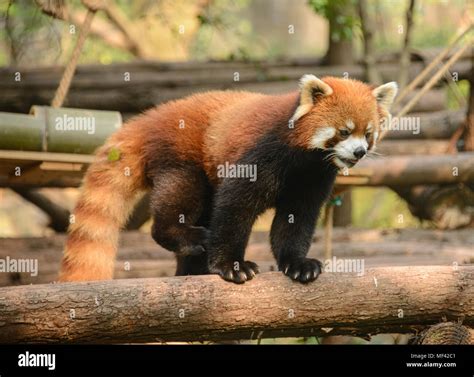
(412, 147)
(151, 83)
(436, 125)
(413, 170)
(433, 100)
(449, 333)
(445, 206)
(198, 308)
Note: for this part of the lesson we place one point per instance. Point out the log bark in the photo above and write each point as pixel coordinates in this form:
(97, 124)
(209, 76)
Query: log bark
(412, 147)
(413, 170)
(436, 125)
(433, 100)
(151, 83)
(395, 299)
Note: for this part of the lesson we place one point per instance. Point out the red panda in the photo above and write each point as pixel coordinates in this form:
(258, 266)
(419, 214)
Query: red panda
(295, 143)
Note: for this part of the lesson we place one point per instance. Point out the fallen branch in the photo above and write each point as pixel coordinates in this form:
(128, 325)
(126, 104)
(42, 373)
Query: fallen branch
(395, 299)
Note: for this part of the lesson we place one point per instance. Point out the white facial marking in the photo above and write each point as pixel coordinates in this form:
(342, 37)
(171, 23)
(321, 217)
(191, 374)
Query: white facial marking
(322, 135)
(346, 148)
(350, 125)
(370, 126)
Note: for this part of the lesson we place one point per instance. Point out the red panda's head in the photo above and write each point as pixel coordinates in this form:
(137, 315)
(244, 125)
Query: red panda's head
(342, 116)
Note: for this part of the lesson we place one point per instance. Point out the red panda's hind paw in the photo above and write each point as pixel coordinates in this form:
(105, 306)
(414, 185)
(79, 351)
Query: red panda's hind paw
(235, 271)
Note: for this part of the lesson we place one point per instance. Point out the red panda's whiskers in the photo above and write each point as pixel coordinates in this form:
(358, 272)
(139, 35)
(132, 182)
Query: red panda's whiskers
(329, 156)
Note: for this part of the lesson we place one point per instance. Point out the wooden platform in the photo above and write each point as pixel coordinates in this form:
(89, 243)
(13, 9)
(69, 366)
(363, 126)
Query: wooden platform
(42, 169)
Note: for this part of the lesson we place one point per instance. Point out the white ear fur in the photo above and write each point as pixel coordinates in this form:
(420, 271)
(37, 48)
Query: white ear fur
(310, 87)
(385, 94)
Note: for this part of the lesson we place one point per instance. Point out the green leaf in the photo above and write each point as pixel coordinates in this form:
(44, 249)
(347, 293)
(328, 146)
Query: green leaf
(114, 155)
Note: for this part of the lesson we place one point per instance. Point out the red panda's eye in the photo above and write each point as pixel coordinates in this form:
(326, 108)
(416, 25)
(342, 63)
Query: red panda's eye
(367, 135)
(344, 132)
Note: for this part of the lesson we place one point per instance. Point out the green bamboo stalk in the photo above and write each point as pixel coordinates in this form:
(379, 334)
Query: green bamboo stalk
(62, 130)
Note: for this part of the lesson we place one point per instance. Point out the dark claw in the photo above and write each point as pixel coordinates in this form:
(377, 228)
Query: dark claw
(303, 270)
(247, 271)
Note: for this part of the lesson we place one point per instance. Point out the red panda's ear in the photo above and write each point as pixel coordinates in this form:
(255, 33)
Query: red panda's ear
(310, 88)
(385, 94)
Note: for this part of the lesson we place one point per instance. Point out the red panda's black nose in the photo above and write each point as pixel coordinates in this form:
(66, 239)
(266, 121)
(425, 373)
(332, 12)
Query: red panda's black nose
(360, 152)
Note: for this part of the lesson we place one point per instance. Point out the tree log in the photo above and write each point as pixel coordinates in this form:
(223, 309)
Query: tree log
(411, 147)
(413, 170)
(436, 125)
(198, 308)
(151, 83)
(446, 206)
(433, 100)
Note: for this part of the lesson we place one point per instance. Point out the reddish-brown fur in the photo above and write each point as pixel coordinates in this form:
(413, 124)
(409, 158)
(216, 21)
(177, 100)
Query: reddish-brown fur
(218, 127)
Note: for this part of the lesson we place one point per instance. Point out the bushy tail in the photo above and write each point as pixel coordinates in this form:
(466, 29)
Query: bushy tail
(111, 187)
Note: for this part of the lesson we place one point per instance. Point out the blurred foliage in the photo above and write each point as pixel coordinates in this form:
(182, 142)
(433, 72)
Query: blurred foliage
(224, 34)
(340, 13)
(220, 29)
(452, 99)
(380, 208)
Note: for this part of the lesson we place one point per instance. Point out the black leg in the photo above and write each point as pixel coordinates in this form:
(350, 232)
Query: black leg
(292, 230)
(237, 204)
(192, 265)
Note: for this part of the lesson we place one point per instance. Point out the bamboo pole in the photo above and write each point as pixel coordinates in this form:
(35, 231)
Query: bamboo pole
(434, 79)
(431, 65)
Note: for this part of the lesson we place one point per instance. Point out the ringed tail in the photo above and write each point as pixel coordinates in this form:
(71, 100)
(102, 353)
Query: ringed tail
(111, 187)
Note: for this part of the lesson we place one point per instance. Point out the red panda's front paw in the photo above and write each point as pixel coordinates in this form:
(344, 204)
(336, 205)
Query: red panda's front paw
(237, 272)
(303, 270)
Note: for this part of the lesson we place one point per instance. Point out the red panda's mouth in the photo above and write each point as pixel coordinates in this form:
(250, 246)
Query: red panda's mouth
(349, 162)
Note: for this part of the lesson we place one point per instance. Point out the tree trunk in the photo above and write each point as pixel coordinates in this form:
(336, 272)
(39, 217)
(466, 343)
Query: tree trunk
(368, 29)
(340, 48)
(394, 299)
(405, 53)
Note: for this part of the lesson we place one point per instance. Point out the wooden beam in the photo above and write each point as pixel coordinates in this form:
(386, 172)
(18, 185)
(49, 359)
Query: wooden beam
(393, 299)
(46, 156)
